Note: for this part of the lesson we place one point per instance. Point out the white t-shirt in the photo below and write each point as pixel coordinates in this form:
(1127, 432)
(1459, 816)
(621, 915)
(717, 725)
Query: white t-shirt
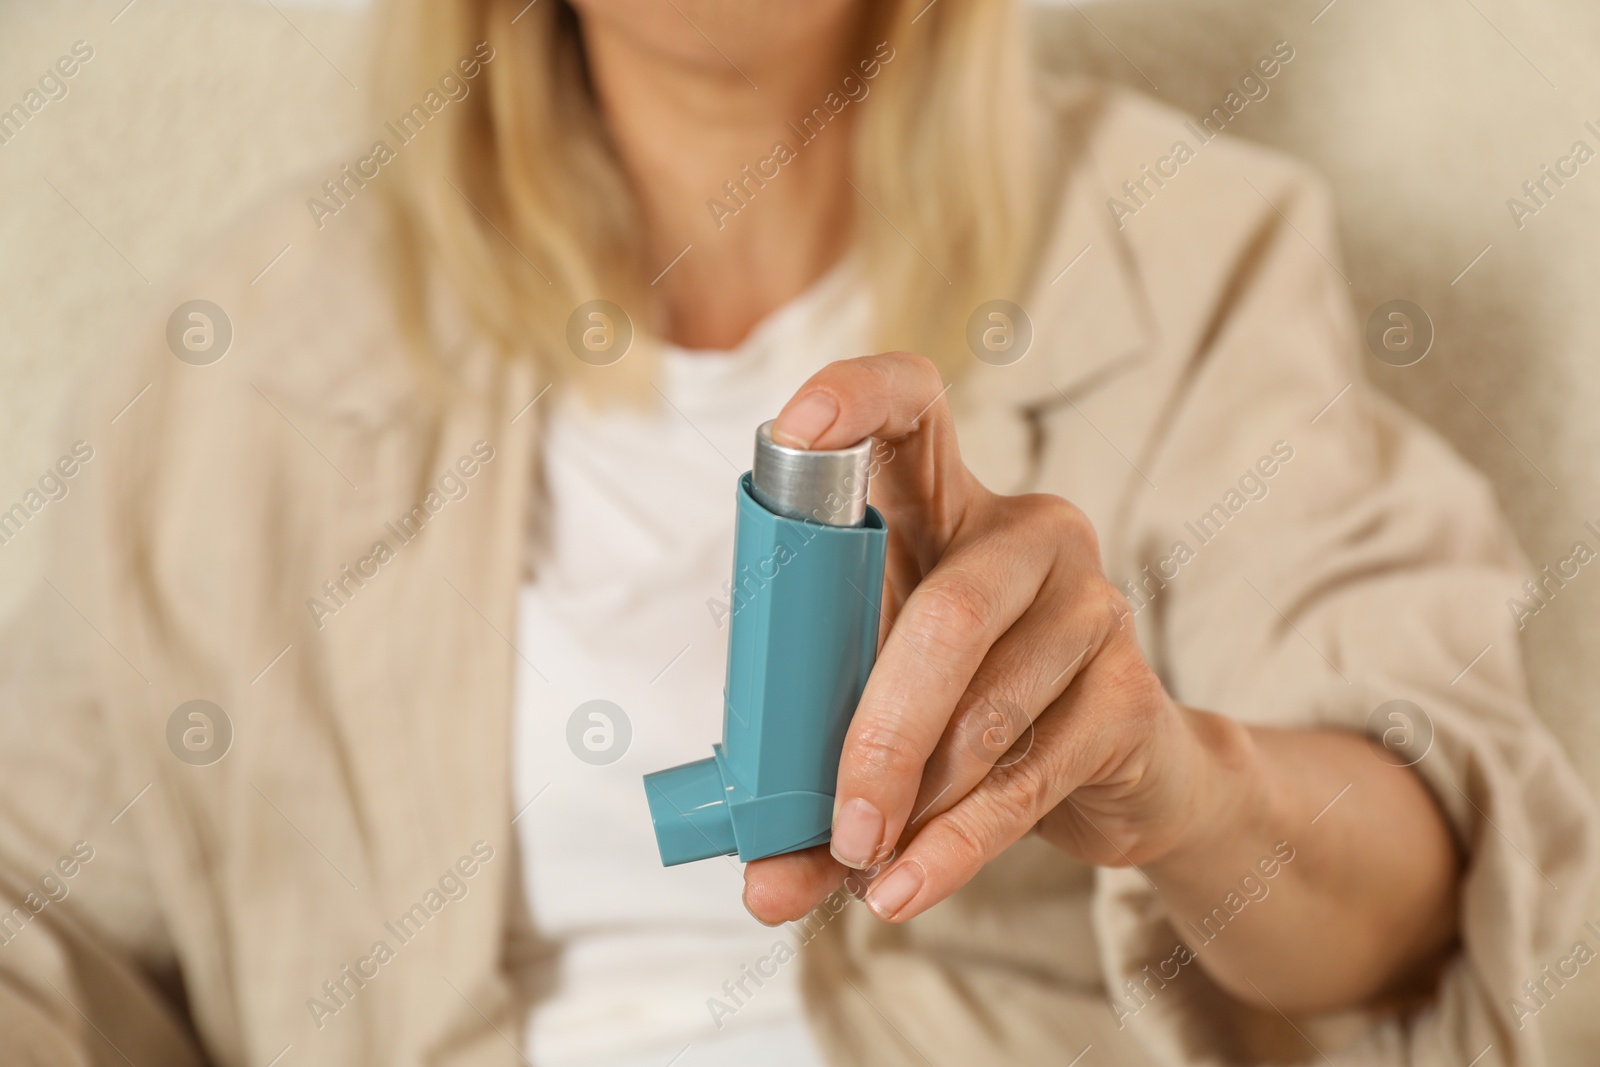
(623, 608)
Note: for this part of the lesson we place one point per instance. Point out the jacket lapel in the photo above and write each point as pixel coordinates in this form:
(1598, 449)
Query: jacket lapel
(1090, 322)
(414, 674)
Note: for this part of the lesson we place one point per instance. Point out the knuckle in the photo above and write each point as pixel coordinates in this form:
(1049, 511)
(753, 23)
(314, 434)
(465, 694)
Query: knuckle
(991, 718)
(881, 750)
(882, 368)
(950, 611)
(920, 373)
(1114, 602)
(1056, 509)
(1134, 682)
(874, 375)
(1102, 613)
(966, 838)
(1065, 520)
(920, 366)
(1026, 784)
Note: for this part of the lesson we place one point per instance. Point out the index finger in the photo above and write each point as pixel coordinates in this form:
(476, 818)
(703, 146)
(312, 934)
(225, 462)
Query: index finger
(887, 396)
(941, 637)
(896, 397)
(951, 617)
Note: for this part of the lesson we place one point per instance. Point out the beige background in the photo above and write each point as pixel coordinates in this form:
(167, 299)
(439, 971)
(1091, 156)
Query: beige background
(1424, 115)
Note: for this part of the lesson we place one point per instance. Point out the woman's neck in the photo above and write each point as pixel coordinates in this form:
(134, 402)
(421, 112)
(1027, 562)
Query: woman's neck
(698, 141)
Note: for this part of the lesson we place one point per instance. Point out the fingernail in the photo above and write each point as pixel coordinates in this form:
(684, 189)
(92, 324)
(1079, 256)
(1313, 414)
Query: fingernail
(805, 422)
(895, 890)
(857, 831)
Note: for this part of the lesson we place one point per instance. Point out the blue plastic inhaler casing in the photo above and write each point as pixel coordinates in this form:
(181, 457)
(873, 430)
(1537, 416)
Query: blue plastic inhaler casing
(805, 600)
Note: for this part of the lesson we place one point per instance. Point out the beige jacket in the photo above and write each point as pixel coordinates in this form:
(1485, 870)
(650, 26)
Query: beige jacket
(365, 788)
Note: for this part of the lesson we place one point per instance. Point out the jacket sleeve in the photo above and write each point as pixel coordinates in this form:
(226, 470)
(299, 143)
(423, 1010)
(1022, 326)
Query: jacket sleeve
(87, 972)
(1336, 556)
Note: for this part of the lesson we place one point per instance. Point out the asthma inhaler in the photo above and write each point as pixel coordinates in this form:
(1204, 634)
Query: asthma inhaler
(803, 633)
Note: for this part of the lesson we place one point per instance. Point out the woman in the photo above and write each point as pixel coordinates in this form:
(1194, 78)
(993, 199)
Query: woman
(441, 540)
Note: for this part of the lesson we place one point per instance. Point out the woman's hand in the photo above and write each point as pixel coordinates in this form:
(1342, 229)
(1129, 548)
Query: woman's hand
(1010, 692)
(999, 618)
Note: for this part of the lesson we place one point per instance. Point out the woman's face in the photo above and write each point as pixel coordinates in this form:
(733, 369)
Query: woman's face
(749, 35)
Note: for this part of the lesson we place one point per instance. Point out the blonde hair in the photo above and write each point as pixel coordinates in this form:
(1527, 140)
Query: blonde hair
(520, 202)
